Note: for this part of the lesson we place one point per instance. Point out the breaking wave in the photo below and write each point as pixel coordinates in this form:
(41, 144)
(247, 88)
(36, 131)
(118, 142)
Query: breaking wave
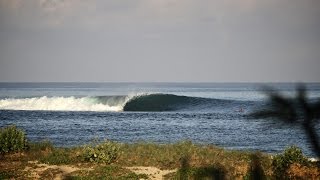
(142, 102)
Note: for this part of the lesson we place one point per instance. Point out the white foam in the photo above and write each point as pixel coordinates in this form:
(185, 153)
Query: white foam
(59, 104)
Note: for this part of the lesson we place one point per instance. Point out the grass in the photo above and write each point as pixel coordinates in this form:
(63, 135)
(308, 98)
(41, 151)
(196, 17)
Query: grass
(106, 172)
(169, 156)
(59, 156)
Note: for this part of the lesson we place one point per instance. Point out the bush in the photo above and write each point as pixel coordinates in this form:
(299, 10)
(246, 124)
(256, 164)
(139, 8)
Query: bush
(106, 152)
(12, 139)
(57, 156)
(282, 162)
(297, 171)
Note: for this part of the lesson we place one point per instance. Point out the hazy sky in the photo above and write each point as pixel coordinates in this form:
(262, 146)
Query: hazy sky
(160, 40)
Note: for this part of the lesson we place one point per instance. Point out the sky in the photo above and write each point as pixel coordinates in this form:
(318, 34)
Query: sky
(159, 41)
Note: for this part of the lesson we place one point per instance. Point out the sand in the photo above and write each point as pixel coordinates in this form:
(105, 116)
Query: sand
(59, 172)
(153, 172)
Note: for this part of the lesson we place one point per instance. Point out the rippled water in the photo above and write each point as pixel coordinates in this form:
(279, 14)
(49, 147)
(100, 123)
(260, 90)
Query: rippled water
(225, 123)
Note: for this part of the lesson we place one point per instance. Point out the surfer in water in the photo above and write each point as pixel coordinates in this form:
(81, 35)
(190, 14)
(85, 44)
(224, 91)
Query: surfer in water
(240, 110)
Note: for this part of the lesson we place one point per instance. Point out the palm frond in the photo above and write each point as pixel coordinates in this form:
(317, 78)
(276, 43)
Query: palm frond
(316, 110)
(283, 107)
(280, 107)
(297, 110)
(265, 114)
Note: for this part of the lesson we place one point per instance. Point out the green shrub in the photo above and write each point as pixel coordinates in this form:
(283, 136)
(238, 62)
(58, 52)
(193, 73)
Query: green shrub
(282, 162)
(106, 152)
(57, 156)
(12, 139)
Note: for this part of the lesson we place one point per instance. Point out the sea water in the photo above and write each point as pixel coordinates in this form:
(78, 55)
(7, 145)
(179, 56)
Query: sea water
(70, 114)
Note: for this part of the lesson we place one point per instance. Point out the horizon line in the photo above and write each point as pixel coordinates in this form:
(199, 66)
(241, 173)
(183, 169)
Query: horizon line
(148, 82)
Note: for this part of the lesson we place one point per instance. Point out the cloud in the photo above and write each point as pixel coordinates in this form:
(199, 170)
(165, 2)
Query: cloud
(35, 14)
(228, 19)
(99, 12)
(204, 36)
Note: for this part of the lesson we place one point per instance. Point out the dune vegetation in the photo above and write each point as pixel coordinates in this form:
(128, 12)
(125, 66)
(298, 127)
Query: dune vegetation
(21, 159)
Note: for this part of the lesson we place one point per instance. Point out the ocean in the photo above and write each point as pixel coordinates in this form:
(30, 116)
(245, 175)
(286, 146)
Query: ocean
(70, 114)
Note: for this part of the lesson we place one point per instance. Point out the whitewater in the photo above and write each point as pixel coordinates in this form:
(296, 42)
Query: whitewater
(45, 103)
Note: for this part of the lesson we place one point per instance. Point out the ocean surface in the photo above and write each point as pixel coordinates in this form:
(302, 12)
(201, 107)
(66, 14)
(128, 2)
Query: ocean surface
(70, 114)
